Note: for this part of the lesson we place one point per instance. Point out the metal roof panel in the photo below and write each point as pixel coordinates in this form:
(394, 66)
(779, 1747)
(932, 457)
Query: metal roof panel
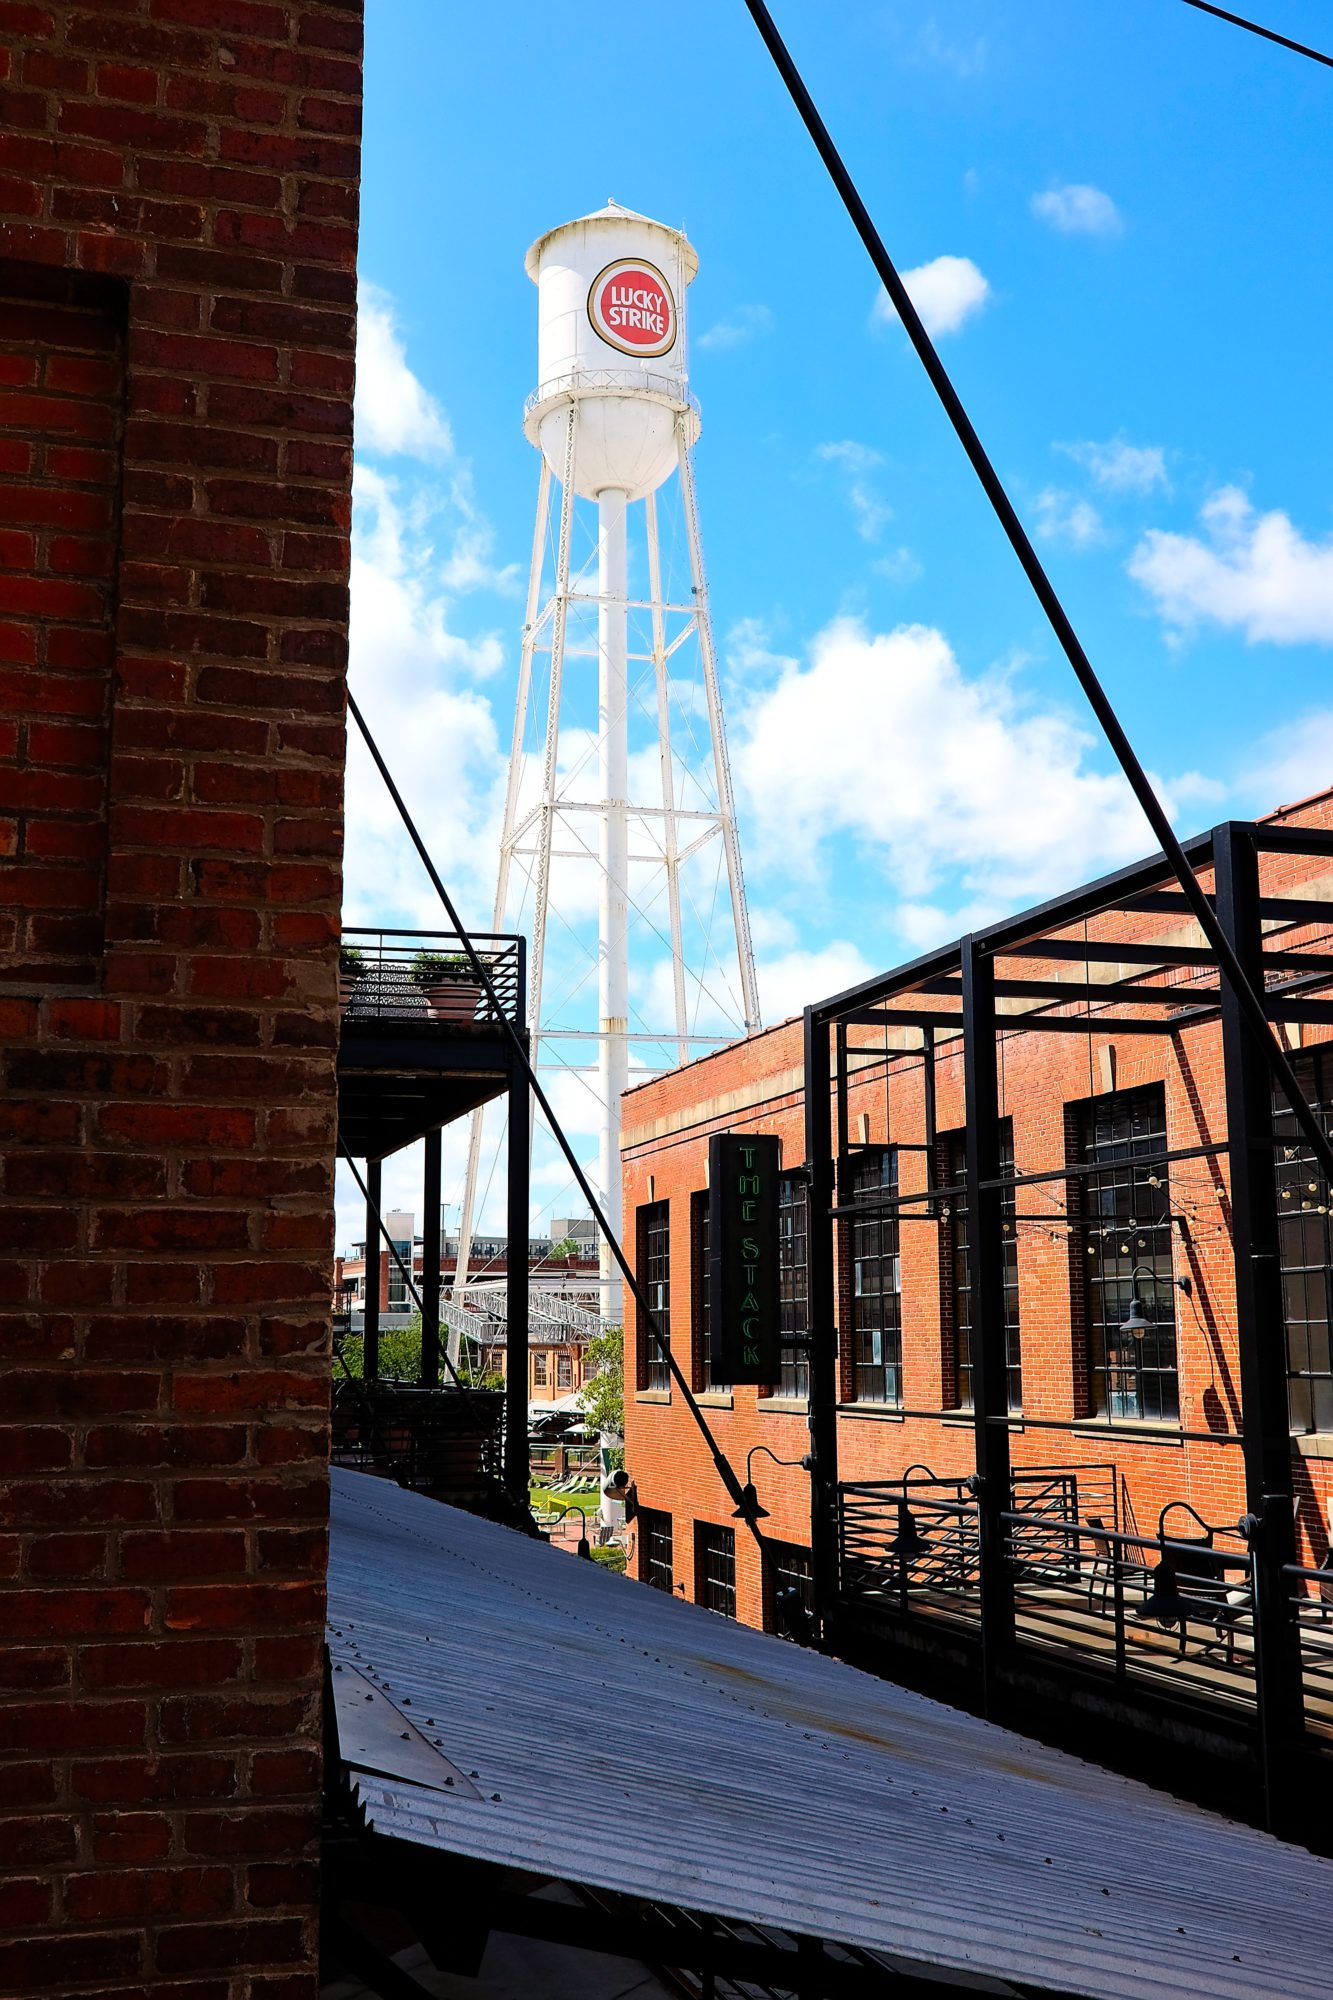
(738, 1774)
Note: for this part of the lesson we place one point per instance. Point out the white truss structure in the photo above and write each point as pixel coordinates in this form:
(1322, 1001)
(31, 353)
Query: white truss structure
(641, 642)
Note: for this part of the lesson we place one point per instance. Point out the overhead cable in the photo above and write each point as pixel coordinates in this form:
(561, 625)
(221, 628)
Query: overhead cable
(1268, 34)
(1154, 812)
(726, 1473)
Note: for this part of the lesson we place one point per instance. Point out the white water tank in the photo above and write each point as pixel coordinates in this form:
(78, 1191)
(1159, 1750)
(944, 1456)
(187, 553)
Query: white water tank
(611, 341)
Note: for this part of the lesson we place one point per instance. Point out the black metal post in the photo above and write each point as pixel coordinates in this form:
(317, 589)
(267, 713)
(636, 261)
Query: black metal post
(985, 1257)
(516, 1282)
(430, 1261)
(1261, 1338)
(932, 1122)
(370, 1345)
(823, 1323)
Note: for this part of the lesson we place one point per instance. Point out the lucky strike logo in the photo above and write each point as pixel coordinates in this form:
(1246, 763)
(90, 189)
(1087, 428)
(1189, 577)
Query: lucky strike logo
(631, 306)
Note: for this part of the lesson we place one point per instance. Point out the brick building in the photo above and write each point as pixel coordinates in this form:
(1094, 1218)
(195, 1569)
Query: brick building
(1141, 1414)
(563, 1291)
(178, 217)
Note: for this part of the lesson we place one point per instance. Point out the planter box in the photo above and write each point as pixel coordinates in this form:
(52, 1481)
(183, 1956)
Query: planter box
(453, 999)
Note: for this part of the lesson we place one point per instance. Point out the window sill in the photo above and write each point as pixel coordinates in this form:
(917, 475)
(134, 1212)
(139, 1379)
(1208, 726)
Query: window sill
(784, 1406)
(966, 1420)
(1313, 1444)
(1142, 1428)
(880, 1413)
(652, 1395)
(714, 1399)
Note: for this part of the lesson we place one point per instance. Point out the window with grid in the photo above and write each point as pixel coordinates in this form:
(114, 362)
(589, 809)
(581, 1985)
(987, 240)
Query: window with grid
(654, 1274)
(877, 1339)
(794, 1285)
(1126, 1236)
(789, 1586)
(397, 1282)
(715, 1568)
(1305, 1247)
(958, 1278)
(564, 1372)
(539, 1371)
(655, 1563)
(707, 1374)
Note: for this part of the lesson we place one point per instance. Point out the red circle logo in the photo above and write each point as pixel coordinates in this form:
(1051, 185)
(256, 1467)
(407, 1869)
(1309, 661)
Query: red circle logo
(631, 307)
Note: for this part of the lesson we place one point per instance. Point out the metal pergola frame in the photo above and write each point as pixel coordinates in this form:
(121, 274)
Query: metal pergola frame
(969, 991)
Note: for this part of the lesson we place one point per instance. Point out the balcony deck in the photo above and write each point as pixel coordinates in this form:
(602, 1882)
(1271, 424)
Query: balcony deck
(414, 1054)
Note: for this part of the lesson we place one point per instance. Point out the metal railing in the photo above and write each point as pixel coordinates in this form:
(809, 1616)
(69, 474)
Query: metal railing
(424, 978)
(1311, 1593)
(1177, 1613)
(914, 1542)
(1175, 1610)
(435, 1441)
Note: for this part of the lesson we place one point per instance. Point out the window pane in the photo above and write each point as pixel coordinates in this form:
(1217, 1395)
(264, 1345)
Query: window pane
(715, 1568)
(654, 1274)
(956, 1242)
(876, 1304)
(794, 1285)
(1131, 1298)
(1305, 1249)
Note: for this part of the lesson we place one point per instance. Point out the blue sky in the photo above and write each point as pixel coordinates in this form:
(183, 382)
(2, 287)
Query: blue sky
(1118, 211)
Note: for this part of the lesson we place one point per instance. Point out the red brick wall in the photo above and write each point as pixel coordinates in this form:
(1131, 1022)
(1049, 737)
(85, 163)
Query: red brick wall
(178, 205)
(749, 1087)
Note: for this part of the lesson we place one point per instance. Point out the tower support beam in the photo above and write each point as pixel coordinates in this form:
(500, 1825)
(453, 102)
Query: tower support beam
(613, 910)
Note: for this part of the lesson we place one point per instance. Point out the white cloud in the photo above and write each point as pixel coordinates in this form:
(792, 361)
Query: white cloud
(789, 981)
(1121, 467)
(1078, 210)
(933, 49)
(900, 565)
(1292, 762)
(869, 511)
(946, 292)
(395, 414)
(1062, 518)
(1250, 572)
(947, 782)
(745, 323)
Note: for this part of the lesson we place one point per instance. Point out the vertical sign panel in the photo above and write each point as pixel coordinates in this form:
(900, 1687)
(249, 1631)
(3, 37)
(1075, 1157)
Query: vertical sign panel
(743, 1257)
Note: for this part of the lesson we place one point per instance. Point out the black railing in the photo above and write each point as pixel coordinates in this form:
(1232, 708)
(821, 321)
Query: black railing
(424, 978)
(1176, 1613)
(1311, 1592)
(1174, 1610)
(914, 1542)
(436, 1441)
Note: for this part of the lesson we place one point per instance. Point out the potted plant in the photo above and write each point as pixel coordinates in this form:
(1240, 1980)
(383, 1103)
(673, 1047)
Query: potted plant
(351, 968)
(449, 984)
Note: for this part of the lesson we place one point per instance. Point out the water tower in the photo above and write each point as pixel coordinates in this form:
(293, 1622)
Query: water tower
(613, 419)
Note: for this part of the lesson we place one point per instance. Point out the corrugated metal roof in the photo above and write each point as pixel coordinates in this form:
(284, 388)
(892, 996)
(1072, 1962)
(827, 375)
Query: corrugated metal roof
(738, 1774)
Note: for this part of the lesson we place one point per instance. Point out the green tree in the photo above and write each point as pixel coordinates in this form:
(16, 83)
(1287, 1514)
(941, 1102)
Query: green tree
(568, 1246)
(604, 1381)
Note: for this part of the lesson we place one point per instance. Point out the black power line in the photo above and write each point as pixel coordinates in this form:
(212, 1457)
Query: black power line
(1229, 965)
(1268, 34)
(744, 1509)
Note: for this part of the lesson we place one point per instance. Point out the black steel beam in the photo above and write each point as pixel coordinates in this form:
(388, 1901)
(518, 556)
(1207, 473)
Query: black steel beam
(1289, 909)
(1111, 951)
(823, 1321)
(985, 1262)
(430, 1259)
(1030, 1023)
(425, 1056)
(370, 1344)
(1261, 1340)
(516, 1284)
(1111, 992)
